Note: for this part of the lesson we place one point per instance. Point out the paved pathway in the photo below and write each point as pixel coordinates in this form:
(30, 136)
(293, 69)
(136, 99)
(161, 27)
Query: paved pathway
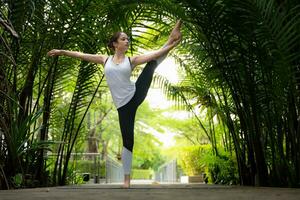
(152, 192)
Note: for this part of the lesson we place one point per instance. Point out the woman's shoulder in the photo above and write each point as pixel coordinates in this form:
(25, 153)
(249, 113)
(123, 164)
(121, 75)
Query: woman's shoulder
(106, 58)
(129, 58)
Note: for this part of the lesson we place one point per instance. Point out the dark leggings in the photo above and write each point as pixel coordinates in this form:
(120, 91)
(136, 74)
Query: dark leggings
(128, 111)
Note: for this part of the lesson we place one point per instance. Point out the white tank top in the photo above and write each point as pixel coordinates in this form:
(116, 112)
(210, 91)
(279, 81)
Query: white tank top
(118, 80)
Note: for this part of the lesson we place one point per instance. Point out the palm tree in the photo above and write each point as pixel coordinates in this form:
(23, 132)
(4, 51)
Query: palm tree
(245, 55)
(241, 60)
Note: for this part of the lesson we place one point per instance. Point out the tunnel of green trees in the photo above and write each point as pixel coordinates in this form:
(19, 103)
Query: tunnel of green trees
(239, 80)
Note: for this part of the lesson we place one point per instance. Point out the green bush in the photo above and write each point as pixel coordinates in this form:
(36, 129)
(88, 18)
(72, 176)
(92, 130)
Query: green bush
(190, 159)
(74, 177)
(17, 180)
(221, 169)
(196, 160)
(141, 174)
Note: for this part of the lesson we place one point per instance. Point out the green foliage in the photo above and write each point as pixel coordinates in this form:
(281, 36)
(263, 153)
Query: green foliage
(220, 169)
(18, 180)
(188, 131)
(141, 174)
(74, 177)
(199, 160)
(242, 62)
(89, 166)
(189, 159)
(20, 145)
(242, 65)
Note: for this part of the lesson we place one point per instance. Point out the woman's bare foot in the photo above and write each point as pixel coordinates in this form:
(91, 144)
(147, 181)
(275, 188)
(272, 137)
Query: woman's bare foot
(126, 181)
(175, 33)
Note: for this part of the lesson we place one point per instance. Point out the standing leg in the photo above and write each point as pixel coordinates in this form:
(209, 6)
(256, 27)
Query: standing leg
(127, 115)
(126, 120)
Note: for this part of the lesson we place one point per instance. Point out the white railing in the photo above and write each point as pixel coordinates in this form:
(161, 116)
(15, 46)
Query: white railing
(167, 172)
(113, 171)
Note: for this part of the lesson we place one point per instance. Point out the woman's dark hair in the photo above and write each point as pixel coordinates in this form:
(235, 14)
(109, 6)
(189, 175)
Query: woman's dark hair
(113, 39)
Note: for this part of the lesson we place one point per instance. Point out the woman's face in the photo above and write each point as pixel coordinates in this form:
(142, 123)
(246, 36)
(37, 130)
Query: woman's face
(123, 42)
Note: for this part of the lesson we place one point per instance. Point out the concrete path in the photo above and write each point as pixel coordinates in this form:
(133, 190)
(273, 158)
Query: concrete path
(152, 192)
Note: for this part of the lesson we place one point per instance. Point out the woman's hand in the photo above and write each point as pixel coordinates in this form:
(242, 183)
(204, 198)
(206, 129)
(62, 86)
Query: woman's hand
(55, 52)
(93, 58)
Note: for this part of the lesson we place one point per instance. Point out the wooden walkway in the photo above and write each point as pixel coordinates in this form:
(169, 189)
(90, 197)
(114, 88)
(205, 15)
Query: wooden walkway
(152, 192)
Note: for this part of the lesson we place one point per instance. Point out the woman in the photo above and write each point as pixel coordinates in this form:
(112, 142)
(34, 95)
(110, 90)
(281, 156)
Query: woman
(127, 96)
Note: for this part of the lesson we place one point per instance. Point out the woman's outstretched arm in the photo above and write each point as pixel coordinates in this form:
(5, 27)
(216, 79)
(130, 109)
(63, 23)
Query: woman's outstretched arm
(93, 58)
(174, 39)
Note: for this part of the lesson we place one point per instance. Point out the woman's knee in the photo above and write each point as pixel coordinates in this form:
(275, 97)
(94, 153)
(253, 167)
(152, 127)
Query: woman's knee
(128, 144)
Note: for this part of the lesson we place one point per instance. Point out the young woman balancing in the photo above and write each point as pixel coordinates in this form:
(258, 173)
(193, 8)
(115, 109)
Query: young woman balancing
(127, 96)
